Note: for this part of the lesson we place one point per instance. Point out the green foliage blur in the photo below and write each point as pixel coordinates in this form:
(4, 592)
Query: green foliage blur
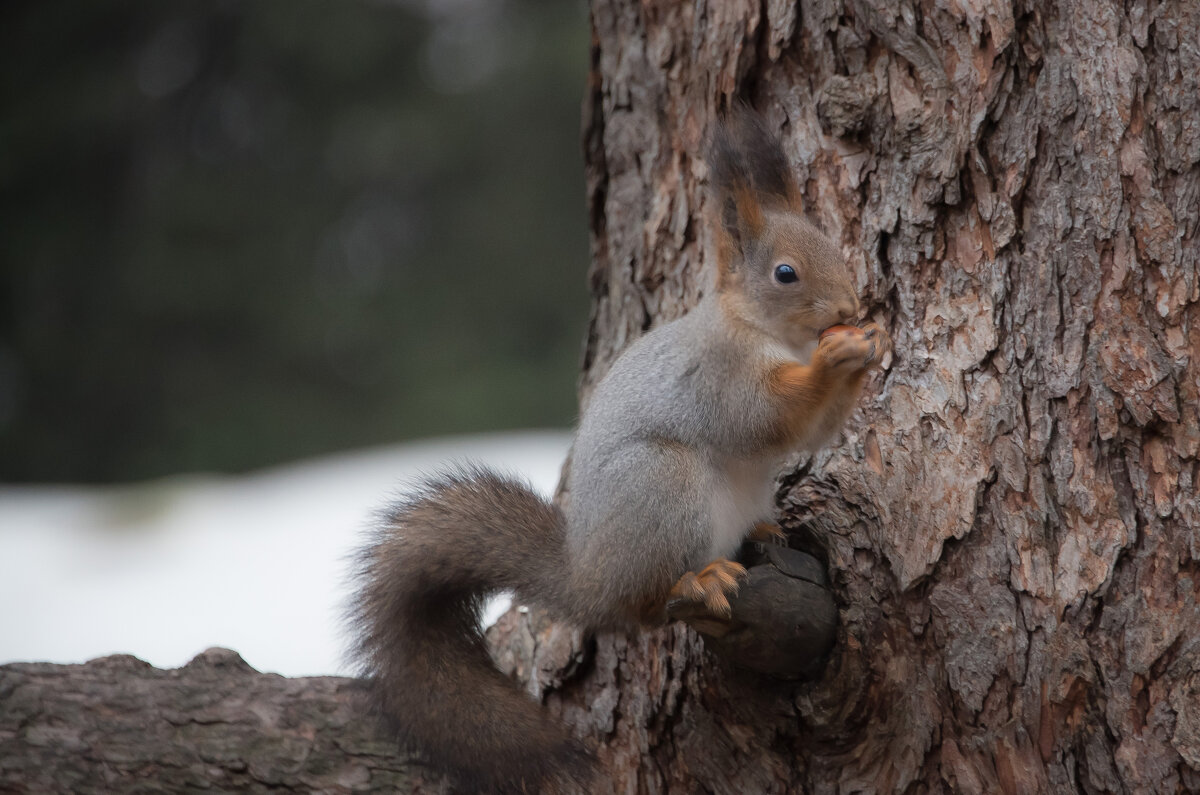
(236, 233)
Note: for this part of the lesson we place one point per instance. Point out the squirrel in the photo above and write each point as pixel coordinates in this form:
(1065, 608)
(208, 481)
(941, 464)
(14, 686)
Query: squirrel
(673, 466)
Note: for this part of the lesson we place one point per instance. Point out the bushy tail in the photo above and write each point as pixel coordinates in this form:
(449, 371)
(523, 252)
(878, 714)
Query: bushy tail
(422, 583)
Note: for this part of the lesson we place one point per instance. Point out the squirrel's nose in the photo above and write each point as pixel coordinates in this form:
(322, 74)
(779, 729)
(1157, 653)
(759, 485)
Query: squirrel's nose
(847, 310)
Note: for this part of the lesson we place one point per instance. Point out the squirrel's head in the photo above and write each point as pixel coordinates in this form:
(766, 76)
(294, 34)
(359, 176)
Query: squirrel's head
(777, 270)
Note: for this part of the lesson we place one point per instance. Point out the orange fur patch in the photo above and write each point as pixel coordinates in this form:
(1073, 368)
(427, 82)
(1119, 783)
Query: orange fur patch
(803, 394)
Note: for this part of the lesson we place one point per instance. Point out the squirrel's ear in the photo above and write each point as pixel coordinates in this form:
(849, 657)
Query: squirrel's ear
(741, 224)
(766, 163)
(738, 204)
(747, 158)
(749, 172)
(742, 216)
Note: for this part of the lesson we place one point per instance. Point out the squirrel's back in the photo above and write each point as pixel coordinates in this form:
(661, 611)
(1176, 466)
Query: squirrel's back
(694, 380)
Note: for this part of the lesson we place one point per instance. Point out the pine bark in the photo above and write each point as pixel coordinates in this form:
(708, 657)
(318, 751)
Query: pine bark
(1011, 520)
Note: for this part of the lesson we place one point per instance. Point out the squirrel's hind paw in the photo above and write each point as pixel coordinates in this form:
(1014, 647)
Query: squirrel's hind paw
(768, 533)
(712, 586)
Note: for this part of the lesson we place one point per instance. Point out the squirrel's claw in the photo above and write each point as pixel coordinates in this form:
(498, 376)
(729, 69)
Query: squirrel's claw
(881, 345)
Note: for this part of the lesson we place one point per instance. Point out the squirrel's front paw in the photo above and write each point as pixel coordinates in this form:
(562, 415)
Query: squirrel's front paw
(850, 349)
(846, 351)
(882, 341)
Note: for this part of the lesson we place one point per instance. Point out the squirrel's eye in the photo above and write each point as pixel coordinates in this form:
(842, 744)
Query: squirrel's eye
(785, 274)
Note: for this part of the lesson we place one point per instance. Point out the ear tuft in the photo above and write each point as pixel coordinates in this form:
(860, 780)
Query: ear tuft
(748, 169)
(746, 153)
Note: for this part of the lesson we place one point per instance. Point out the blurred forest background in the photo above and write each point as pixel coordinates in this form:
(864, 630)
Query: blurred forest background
(236, 233)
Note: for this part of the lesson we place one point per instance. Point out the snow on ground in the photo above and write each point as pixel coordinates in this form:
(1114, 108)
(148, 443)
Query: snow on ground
(257, 563)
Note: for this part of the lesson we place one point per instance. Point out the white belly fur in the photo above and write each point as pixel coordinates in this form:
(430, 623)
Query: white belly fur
(745, 496)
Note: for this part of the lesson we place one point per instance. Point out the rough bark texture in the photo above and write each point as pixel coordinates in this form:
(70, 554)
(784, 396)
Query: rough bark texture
(119, 725)
(1011, 520)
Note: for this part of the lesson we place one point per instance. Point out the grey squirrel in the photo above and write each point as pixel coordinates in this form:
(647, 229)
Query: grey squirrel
(672, 467)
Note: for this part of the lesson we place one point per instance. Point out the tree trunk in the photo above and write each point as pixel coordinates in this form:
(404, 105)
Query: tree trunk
(1011, 520)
